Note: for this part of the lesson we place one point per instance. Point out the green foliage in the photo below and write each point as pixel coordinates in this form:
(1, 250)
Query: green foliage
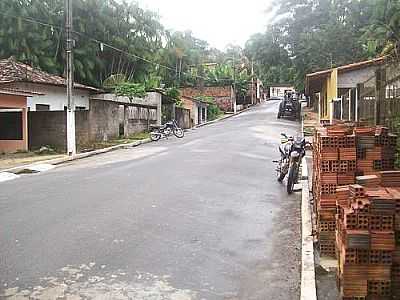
(213, 111)
(130, 90)
(122, 24)
(173, 92)
(317, 34)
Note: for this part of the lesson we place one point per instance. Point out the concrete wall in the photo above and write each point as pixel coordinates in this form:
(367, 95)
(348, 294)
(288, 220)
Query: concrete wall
(54, 96)
(101, 123)
(47, 128)
(183, 117)
(152, 98)
(15, 102)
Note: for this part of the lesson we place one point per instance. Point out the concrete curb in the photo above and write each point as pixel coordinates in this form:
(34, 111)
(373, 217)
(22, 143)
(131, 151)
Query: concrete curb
(62, 160)
(308, 287)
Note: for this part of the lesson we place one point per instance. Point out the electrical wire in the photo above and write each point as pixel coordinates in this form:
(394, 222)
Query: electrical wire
(52, 26)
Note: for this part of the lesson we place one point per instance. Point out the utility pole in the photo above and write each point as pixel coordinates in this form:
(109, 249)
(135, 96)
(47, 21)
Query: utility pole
(234, 84)
(252, 83)
(71, 143)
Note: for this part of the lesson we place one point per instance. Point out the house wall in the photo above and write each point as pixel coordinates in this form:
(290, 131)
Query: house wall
(16, 102)
(350, 79)
(54, 96)
(223, 95)
(193, 106)
(279, 91)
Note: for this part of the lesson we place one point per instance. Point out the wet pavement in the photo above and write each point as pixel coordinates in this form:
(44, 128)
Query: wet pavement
(196, 218)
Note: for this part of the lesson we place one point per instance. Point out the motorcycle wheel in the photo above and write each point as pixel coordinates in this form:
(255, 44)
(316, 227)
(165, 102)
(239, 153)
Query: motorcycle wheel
(291, 179)
(179, 133)
(155, 136)
(281, 177)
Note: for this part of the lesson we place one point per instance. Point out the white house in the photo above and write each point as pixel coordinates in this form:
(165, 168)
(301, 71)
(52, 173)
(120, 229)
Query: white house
(49, 91)
(278, 90)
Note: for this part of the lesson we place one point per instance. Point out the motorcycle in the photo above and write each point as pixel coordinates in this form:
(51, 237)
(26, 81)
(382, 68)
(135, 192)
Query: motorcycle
(166, 130)
(292, 152)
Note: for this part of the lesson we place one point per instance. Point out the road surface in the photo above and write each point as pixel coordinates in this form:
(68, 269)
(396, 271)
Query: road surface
(196, 218)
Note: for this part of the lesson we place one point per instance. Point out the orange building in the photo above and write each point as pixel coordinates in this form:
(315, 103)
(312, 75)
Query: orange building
(13, 121)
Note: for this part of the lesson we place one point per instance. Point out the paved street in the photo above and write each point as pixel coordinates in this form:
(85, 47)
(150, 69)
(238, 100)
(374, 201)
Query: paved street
(198, 218)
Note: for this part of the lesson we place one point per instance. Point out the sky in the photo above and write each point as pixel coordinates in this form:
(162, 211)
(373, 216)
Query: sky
(219, 22)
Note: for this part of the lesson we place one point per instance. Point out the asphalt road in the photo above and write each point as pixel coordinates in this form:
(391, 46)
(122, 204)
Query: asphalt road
(196, 218)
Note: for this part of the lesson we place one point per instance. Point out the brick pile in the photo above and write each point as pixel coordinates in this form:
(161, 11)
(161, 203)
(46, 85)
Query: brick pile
(342, 152)
(334, 162)
(366, 242)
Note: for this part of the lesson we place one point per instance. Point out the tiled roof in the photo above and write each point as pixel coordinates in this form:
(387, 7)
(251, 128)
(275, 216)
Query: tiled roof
(14, 71)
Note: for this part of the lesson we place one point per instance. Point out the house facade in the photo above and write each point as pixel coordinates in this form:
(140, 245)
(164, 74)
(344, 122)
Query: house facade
(13, 121)
(49, 91)
(335, 93)
(279, 90)
(198, 110)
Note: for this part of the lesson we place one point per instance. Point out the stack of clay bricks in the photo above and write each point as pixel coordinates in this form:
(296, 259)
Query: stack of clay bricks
(375, 150)
(334, 164)
(342, 152)
(367, 237)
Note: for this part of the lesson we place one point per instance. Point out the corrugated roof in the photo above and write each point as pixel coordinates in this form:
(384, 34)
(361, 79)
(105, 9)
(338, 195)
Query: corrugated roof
(350, 67)
(14, 71)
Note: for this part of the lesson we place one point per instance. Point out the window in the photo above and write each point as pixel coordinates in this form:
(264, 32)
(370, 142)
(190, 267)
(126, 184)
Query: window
(10, 125)
(80, 107)
(42, 107)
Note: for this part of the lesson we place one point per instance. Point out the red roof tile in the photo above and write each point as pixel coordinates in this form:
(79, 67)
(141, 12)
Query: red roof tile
(14, 71)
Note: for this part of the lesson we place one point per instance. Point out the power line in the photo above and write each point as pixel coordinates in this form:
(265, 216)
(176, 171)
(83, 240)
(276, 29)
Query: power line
(52, 26)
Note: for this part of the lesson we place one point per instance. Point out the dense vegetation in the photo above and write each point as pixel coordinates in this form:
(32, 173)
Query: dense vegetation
(305, 35)
(308, 35)
(32, 31)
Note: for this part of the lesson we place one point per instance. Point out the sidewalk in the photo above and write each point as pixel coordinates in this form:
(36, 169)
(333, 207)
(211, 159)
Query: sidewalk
(18, 159)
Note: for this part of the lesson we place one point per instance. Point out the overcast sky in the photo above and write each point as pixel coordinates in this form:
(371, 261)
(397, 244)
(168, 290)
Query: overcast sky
(219, 22)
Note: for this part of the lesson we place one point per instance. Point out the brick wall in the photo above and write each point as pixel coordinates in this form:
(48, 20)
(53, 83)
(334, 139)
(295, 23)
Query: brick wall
(221, 94)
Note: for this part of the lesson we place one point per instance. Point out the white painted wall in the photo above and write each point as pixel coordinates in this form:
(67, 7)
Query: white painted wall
(152, 98)
(55, 96)
(350, 79)
(279, 91)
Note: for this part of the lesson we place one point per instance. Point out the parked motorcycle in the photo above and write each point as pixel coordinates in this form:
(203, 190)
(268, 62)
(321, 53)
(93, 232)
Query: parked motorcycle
(292, 151)
(166, 130)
